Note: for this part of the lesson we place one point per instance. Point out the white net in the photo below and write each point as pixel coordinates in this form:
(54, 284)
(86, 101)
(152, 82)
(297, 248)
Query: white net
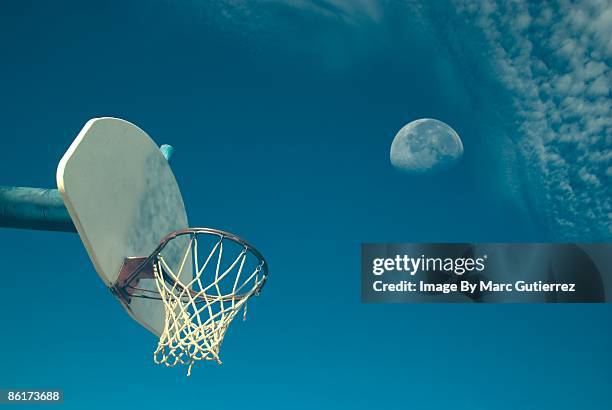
(222, 274)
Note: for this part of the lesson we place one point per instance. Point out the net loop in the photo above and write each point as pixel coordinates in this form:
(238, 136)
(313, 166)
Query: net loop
(203, 284)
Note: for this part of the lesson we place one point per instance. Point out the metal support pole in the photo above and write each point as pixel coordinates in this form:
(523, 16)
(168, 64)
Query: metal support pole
(34, 208)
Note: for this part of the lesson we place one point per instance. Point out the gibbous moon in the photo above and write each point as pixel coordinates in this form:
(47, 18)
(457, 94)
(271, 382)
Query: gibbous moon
(425, 146)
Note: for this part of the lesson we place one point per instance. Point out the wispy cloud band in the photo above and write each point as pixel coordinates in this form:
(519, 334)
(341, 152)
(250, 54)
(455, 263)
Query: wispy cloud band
(555, 58)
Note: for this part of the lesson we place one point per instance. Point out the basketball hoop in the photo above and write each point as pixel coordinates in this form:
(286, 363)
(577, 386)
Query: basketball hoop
(204, 277)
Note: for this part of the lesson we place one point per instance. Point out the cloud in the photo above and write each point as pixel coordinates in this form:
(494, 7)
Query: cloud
(554, 57)
(249, 12)
(350, 10)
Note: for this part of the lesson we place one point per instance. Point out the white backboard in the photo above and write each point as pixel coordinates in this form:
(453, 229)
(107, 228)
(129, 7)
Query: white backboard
(123, 199)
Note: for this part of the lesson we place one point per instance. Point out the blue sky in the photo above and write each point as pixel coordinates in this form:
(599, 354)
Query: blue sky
(282, 115)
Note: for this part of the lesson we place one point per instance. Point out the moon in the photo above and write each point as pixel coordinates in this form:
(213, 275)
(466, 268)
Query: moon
(426, 146)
